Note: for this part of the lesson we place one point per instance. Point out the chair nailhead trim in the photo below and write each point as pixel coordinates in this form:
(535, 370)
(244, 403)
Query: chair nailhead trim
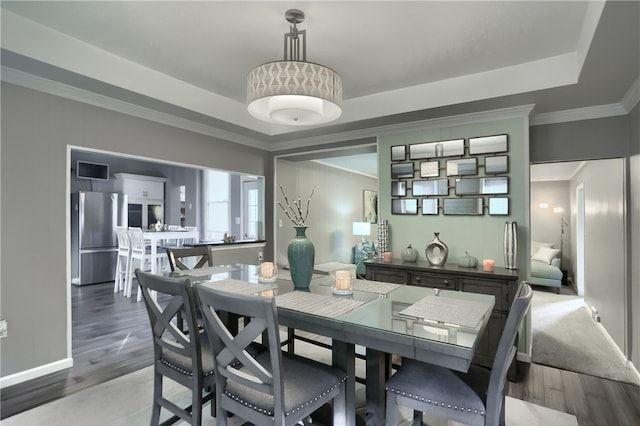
(441, 404)
(270, 413)
(182, 370)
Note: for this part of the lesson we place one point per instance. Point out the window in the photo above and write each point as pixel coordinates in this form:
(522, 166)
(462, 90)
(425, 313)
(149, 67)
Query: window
(232, 204)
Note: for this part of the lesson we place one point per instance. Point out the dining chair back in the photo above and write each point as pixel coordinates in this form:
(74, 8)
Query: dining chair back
(183, 356)
(473, 398)
(139, 259)
(122, 262)
(185, 258)
(275, 388)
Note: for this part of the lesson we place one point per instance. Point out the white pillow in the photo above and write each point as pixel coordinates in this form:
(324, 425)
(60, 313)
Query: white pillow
(545, 254)
(535, 245)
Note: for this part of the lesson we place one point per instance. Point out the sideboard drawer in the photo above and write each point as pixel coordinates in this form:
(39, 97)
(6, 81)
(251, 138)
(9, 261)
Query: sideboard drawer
(385, 275)
(432, 280)
(498, 289)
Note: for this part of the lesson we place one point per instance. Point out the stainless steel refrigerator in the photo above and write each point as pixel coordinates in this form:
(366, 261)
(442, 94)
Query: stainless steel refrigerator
(94, 217)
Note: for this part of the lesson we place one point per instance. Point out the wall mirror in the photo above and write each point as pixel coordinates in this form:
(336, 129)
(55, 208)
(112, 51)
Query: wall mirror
(398, 188)
(404, 206)
(462, 167)
(401, 170)
(429, 206)
(430, 187)
(465, 206)
(498, 164)
(436, 149)
(398, 153)
(495, 185)
(499, 206)
(430, 169)
(486, 144)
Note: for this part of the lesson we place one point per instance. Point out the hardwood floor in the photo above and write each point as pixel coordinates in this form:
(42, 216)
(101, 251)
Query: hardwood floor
(111, 337)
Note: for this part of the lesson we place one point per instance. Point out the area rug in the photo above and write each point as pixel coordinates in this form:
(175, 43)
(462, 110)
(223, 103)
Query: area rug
(565, 337)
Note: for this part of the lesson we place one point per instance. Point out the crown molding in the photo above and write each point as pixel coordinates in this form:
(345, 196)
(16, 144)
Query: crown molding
(632, 97)
(578, 114)
(41, 84)
(454, 120)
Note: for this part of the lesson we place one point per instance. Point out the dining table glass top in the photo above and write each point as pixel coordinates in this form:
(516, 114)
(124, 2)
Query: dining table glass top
(447, 317)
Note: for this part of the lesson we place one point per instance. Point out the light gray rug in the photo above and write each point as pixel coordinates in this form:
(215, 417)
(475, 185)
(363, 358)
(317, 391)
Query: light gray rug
(565, 337)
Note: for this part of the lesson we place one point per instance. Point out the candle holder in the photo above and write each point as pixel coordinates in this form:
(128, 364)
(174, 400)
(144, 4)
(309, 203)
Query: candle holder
(342, 283)
(267, 272)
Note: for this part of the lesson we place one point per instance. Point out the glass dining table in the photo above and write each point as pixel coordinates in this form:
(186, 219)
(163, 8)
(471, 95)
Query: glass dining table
(436, 326)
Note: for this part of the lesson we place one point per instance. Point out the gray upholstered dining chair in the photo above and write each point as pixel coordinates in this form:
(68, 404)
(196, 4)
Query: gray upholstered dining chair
(474, 398)
(181, 355)
(274, 388)
(201, 256)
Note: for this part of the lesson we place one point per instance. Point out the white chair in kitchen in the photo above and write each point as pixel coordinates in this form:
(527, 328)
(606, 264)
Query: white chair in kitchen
(122, 262)
(139, 258)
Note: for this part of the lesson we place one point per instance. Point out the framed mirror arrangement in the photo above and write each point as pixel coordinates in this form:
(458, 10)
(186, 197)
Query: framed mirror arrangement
(474, 168)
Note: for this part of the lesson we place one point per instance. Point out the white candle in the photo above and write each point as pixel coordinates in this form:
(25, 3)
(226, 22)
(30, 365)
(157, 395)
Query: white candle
(266, 270)
(343, 280)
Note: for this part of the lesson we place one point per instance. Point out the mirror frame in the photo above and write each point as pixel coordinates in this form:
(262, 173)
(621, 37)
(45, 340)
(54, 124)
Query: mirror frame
(475, 166)
(506, 164)
(479, 208)
(398, 188)
(437, 185)
(426, 211)
(397, 202)
(426, 169)
(506, 191)
(396, 155)
(494, 200)
(450, 142)
(477, 141)
(404, 174)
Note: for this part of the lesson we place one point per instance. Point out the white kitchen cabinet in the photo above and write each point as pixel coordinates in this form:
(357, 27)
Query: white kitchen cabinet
(145, 198)
(140, 186)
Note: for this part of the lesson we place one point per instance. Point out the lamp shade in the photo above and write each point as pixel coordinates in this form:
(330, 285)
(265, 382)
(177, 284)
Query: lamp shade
(361, 228)
(294, 93)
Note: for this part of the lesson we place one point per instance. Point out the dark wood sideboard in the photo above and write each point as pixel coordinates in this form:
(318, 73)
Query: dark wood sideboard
(501, 283)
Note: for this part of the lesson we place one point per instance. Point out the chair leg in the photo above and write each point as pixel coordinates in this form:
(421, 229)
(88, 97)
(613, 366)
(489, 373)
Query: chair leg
(340, 406)
(392, 410)
(116, 282)
(196, 406)
(157, 396)
(291, 337)
(417, 418)
(129, 273)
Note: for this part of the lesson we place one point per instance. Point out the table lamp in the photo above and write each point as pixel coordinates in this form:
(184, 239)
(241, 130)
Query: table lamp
(361, 229)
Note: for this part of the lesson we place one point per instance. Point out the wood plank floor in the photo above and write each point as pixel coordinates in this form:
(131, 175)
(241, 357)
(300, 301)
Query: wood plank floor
(111, 337)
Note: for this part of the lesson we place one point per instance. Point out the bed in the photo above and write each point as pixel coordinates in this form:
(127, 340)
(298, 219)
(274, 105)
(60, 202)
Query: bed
(545, 265)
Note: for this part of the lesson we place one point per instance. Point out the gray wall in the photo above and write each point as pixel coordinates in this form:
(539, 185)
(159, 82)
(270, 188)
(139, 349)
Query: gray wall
(545, 224)
(336, 204)
(604, 254)
(580, 140)
(634, 235)
(36, 130)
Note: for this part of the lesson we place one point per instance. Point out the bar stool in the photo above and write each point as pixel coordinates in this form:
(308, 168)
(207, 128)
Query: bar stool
(122, 262)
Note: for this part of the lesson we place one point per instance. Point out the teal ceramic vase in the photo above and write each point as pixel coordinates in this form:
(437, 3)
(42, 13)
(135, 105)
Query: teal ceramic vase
(301, 254)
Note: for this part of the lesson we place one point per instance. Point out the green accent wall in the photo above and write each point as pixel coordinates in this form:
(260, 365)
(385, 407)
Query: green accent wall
(481, 236)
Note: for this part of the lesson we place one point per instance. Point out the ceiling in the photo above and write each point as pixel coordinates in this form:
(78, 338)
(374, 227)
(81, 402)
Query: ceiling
(185, 63)
(555, 171)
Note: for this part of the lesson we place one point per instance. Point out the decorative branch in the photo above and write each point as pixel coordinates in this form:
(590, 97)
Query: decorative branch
(298, 217)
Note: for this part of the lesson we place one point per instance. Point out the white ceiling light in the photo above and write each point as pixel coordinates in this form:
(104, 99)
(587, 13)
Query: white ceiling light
(293, 91)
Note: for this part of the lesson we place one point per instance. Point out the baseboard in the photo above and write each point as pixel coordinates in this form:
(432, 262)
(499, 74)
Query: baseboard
(36, 372)
(627, 362)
